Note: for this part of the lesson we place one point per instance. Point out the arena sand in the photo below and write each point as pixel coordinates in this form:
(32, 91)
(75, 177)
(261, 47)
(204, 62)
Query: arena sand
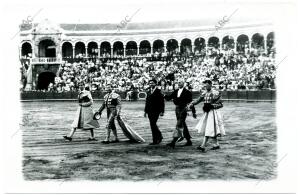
(247, 152)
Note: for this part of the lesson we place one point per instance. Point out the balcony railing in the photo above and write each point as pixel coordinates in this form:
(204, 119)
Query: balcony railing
(46, 60)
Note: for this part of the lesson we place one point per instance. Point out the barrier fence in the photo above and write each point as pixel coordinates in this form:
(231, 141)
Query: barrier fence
(243, 95)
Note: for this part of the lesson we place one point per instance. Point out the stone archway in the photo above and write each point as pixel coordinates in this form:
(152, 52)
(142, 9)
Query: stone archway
(80, 50)
(228, 43)
(105, 49)
(131, 48)
(145, 47)
(26, 50)
(214, 42)
(92, 49)
(44, 79)
(47, 48)
(258, 41)
(118, 48)
(199, 45)
(172, 45)
(158, 46)
(186, 46)
(242, 43)
(67, 50)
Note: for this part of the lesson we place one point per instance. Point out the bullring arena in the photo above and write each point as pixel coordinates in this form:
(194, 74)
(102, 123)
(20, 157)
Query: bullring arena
(55, 58)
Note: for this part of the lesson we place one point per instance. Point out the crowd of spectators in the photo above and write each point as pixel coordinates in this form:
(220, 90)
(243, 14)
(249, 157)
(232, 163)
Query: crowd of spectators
(227, 70)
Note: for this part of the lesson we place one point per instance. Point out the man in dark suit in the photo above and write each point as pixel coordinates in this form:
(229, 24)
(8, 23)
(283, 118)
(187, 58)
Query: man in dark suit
(155, 106)
(181, 98)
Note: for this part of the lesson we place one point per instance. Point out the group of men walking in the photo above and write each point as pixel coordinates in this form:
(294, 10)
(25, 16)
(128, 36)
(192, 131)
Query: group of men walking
(155, 106)
(210, 124)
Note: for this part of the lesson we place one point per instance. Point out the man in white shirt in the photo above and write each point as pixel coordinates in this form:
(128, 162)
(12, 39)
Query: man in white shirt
(181, 98)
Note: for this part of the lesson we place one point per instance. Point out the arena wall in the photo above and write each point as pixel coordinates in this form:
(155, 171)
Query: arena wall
(243, 95)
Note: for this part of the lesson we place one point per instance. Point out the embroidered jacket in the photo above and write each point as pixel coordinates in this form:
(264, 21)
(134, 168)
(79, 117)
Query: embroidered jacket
(111, 100)
(213, 97)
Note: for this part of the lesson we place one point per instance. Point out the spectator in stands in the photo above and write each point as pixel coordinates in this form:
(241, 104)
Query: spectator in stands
(50, 87)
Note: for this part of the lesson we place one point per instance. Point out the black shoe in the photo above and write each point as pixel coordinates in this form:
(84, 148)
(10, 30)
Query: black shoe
(189, 143)
(201, 148)
(67, 138)
(153, 143)
(159, 140)
(92, 139)
(180, 139)
(105, 142)
(172, 145)
(215, 148)
(115, 141)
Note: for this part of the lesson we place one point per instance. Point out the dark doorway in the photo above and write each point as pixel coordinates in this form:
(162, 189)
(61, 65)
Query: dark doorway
(186, 46)
(172, 45)
(131, 48)
(158, 46)
(242, 43)
(47, 48)
(67, 50)
(257, 41)
(199, 45)
(44, 80)
(26, 50)
(118, 48)
(92, 50)
(145, 47)
(105, 49)
(214, 42)
(228, 43)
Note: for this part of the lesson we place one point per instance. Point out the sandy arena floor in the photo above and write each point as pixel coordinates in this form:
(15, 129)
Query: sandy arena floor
(247, 152)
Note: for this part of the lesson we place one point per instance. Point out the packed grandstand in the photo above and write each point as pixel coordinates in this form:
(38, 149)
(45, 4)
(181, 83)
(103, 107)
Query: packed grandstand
(228, 71)
(231, 65)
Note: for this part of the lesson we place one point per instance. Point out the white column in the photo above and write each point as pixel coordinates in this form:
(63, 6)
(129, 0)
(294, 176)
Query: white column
(250, 43)
(138, 49)
(86, 51)
(33, 50)
(265, 44)
(111, 52)
(235, 46)
(73, 51)
(124, 51)
(20, 52)
(29, 77)
(99, 47)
